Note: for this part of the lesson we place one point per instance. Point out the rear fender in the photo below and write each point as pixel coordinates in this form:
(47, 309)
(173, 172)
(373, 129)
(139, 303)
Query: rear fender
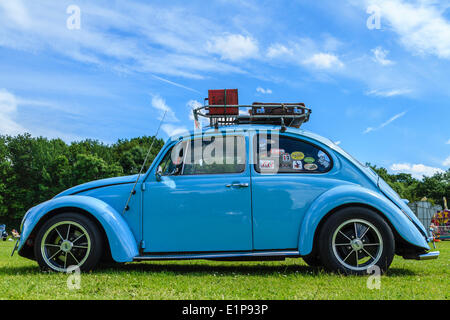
(357, 195)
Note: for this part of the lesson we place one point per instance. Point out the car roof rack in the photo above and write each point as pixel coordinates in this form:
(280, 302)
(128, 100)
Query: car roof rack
(282, 114)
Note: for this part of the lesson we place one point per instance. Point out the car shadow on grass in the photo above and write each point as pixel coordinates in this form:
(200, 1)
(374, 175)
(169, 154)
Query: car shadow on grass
(232, 269)
(203, 269)
(399, 272)
(20, 270)
(200, 269)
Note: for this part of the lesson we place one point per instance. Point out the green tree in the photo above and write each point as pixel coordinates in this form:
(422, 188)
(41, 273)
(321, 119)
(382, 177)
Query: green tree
(90, 167)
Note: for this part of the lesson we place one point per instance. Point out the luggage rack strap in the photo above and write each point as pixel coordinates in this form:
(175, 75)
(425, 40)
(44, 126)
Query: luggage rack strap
(300, 114)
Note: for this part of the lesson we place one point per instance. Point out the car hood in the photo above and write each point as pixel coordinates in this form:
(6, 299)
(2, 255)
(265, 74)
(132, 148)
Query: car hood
(98, 184)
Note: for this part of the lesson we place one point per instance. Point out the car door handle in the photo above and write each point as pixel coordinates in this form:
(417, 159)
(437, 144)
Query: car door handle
(237, 185)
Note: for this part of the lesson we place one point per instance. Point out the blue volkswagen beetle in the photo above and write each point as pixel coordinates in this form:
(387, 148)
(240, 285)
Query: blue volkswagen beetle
(255, 189)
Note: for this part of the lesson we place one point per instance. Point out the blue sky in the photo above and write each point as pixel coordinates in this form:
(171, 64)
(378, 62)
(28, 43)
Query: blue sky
(380, 90)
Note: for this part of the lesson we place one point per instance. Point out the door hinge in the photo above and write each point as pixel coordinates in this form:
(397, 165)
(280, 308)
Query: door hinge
(142, 244)
(143, 186)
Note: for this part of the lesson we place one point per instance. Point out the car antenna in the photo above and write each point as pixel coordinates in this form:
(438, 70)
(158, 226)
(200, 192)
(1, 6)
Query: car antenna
(133, 191)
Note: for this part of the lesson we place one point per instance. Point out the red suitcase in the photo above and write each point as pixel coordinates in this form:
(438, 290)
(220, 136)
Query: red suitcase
(223, 97)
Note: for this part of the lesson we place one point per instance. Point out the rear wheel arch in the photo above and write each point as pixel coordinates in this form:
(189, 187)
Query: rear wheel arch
(397, 238)
(373, 229)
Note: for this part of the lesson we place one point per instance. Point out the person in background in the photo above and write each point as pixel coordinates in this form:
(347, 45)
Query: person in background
(15, 234)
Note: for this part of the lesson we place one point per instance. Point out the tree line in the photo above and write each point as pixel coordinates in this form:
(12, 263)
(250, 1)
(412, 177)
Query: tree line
(433, 188)
(34, 169)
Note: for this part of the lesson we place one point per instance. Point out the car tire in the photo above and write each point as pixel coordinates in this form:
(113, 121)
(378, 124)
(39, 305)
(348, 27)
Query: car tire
(68, 241)
(312, 260)
(356, 240)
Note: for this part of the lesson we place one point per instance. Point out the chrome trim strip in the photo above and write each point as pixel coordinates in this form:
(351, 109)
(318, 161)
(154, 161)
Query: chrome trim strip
(217, 255)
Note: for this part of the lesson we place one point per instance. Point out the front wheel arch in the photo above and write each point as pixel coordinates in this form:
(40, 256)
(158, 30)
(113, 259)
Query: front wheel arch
(87, 230)
(28, 250)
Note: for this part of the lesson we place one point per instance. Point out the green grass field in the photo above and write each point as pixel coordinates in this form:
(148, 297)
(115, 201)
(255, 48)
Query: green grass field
(291, 279)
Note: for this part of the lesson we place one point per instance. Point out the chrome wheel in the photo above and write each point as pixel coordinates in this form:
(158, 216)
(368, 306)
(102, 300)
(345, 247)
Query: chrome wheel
(357, 244)
(65, 244)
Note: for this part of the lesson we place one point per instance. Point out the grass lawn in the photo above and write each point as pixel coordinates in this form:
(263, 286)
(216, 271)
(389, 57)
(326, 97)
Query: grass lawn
(291, 279)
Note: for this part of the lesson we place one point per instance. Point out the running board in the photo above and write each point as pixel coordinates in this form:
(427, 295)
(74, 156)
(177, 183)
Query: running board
(219, 255)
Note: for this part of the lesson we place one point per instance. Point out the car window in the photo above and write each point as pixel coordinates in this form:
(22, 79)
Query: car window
(283, 154)
(172, 163)
(215, 155)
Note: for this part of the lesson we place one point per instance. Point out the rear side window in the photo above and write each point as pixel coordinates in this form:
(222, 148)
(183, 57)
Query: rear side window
(282, 154)
(215, 155)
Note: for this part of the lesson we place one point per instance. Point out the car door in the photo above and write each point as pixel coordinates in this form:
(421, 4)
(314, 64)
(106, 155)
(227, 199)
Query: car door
(287, 176)
(202, 202)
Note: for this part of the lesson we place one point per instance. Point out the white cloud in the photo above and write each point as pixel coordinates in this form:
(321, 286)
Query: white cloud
(278, 50)
(16, 12)
(388, 93)
(323, 61)
(8, 113)
(193, 104)
(416, 170)
(446, 162)
(317, 54)
(175, 84)
(173, 130)
(10, 123)
(233, 47)
(263, 91)
(159, 40)
(368, 129)
(448, 142)
(160, 104)
(384, 124)
(338, 142)
(421, 26)
(380, 56)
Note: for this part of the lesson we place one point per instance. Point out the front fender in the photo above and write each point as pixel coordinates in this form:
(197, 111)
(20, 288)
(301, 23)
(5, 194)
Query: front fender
(354, 194)
(121, 240)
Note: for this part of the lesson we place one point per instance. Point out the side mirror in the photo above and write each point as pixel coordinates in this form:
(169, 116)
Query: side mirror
(158, 173)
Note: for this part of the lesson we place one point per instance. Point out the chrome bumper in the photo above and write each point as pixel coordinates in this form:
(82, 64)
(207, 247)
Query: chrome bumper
(429, 255)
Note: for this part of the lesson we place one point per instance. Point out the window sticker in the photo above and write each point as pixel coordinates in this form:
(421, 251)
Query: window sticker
(276, 152)
(297, 155)
(311, 166)
(263, 144)
(267, 164)
(286, 157)
(309, 160)
(324, 160)
(297, 165)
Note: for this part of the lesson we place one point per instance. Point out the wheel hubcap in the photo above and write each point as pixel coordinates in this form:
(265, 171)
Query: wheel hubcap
(357, 244)
(65, 244)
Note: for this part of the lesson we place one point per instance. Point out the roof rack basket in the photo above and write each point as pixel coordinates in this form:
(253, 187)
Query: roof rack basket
(282, 114)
